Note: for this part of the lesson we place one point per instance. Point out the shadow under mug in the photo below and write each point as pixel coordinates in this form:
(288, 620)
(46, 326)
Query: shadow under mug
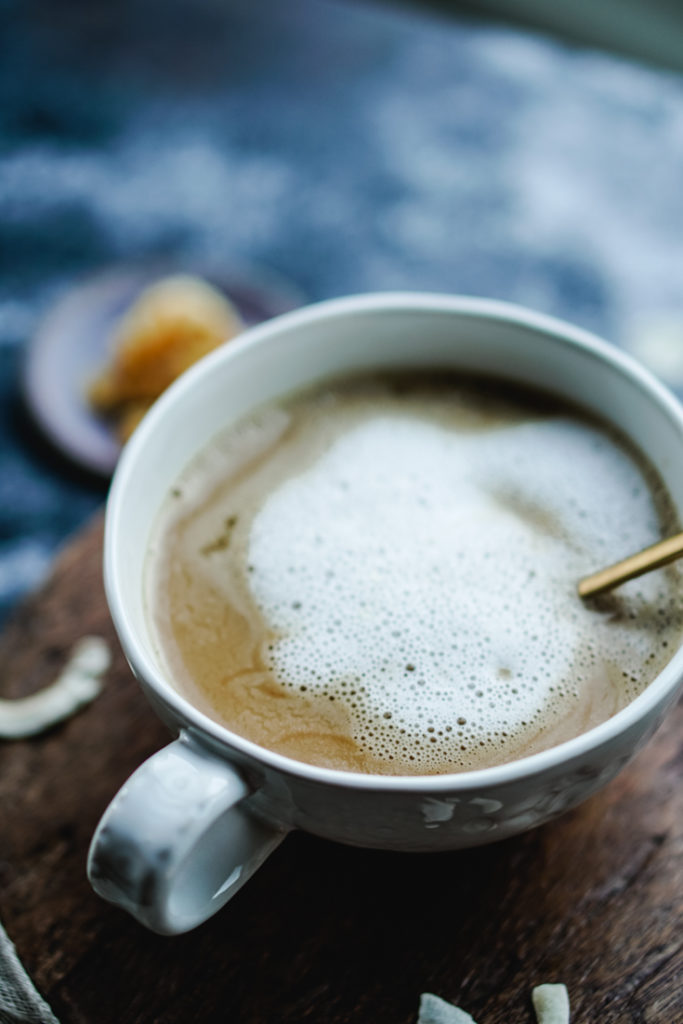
(197, 818)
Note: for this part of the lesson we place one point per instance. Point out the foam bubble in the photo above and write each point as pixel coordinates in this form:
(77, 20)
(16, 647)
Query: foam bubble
(425, 578)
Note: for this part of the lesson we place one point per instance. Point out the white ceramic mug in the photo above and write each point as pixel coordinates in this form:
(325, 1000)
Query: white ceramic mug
(195, 820)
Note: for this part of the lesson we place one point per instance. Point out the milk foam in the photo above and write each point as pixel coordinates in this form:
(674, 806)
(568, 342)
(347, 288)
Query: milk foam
(425, 578)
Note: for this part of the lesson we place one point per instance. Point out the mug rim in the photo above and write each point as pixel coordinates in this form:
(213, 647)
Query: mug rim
(663, 686)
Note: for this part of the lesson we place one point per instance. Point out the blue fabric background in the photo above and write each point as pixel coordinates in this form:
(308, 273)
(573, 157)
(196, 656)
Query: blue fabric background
(347, 147)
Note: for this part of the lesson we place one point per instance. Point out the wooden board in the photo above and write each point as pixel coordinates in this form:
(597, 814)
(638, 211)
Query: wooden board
(324, 933)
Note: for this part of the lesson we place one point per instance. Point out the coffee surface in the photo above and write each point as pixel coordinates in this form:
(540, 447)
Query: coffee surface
(380, 576)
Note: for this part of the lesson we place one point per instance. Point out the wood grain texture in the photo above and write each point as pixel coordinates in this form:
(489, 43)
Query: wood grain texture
(323, 932)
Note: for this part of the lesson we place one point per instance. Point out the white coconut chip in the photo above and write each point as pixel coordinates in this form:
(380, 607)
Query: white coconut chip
(551, 1004)
(78, 684)
(437, 1011)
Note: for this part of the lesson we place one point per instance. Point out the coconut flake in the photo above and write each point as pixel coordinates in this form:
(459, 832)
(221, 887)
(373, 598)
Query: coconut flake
(434, 1010)
(77, 685)
(551, 1004)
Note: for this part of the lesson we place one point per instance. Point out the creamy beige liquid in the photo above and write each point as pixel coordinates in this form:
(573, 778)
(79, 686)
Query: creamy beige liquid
(379, 576)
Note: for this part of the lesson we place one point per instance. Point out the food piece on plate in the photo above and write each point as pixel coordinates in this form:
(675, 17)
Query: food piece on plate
(129, 415)
(171, 325)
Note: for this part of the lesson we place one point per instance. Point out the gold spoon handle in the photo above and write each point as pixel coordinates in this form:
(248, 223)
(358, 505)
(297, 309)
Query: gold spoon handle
(637, 565)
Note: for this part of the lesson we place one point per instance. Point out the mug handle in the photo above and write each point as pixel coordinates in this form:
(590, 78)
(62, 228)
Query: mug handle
(176, 843)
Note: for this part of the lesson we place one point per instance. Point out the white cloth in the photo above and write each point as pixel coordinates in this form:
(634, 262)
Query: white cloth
(20, 1002)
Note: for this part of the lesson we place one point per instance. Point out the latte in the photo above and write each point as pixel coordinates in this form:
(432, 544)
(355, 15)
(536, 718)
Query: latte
(380, 575)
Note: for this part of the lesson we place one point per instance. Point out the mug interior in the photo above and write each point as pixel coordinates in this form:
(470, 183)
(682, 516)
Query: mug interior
(365, 333)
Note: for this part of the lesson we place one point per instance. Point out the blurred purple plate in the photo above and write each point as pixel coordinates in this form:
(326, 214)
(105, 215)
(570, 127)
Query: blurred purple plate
(71, 347)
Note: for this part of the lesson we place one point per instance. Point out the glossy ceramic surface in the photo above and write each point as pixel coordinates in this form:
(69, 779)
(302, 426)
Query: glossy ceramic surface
(188, 878)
